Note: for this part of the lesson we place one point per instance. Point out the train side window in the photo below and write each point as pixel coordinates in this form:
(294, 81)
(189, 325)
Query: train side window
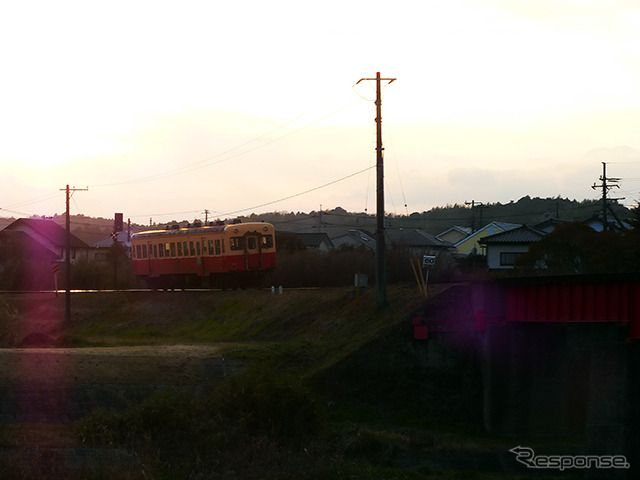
(237, 243)
(160, 250)
(198, 249)
(267, 241)
(144, 251)
(185, 248)
(223, 250)
(155, 250)
(217, 247)
(210, 244)
(173, 249)
(179, 249)
(192, 249)
(138, 251)
(167, 252)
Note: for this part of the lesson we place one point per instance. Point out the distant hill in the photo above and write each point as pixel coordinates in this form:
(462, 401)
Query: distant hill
(526, 210)
(338, 221)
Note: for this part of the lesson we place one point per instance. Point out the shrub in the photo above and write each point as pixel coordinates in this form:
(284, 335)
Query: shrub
(257, 420)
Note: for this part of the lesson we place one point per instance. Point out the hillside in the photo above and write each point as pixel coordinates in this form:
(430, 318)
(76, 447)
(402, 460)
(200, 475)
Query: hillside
(338, 221)
(526, 210)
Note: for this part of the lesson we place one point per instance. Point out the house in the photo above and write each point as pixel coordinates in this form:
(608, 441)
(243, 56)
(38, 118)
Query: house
(597, 223)
(50, 235)
(417, 242)
(454, 234)
(549, 225)
(103, 248)
(355, 239)
(24, 263)
(469, 244)
(312, 241)
(502, 249)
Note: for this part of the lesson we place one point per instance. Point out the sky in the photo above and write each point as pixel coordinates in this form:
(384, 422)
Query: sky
(165, 109)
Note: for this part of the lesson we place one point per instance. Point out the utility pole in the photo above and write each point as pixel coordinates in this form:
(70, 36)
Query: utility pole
(381, 263)
(67, 260)
(206, 216)
(475, 205)
(605, 201)
(473, 215)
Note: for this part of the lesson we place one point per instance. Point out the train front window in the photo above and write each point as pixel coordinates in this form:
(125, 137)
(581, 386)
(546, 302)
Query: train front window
(267, 241)
(252, 243)
(237, 243)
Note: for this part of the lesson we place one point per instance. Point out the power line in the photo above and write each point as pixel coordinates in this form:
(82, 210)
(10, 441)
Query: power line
(299, 194)
(207, 162)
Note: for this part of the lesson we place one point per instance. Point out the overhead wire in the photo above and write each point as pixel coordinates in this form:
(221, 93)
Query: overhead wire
(389, 133)
(207, 162)
(289, 197)
(42, 198)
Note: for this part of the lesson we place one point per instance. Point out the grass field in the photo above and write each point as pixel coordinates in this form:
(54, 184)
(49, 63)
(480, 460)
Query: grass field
(328, 390)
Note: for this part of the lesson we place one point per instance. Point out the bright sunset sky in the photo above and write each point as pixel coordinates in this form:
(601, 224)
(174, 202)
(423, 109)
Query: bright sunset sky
(167, 108)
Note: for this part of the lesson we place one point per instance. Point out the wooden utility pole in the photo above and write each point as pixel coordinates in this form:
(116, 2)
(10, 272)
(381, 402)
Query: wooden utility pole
(605, 201)
(473, 215)
(381, 263)
(474, 206)
(67, 259)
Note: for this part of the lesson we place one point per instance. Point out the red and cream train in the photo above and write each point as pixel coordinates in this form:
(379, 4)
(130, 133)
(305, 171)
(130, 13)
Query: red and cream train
(225, 256)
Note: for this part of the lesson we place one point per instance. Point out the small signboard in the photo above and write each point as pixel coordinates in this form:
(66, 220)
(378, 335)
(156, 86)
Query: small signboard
(55, 268)
(361, 280)
(428, 260)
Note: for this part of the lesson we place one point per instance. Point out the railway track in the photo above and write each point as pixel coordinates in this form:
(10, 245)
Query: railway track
(150, 290)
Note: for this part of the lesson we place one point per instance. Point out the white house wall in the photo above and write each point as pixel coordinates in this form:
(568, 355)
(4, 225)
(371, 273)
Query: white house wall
(494, 251)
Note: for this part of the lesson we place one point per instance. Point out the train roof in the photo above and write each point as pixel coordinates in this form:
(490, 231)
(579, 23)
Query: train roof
(196, 230)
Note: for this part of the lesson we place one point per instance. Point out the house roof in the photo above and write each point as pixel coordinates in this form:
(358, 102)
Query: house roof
(123, 238)
(503, 226)
(311, 240)
(463, 230)
(356, 238)
(549, 224)
(522, 234)
(47, 229)
(596, 222)
(506, 225)
(415, 238)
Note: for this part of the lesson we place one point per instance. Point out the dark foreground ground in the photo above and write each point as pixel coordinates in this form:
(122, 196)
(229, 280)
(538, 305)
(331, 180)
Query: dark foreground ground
(308, 384)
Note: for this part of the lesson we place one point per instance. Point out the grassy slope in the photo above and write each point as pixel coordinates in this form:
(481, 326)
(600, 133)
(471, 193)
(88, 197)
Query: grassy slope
(302, 332)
